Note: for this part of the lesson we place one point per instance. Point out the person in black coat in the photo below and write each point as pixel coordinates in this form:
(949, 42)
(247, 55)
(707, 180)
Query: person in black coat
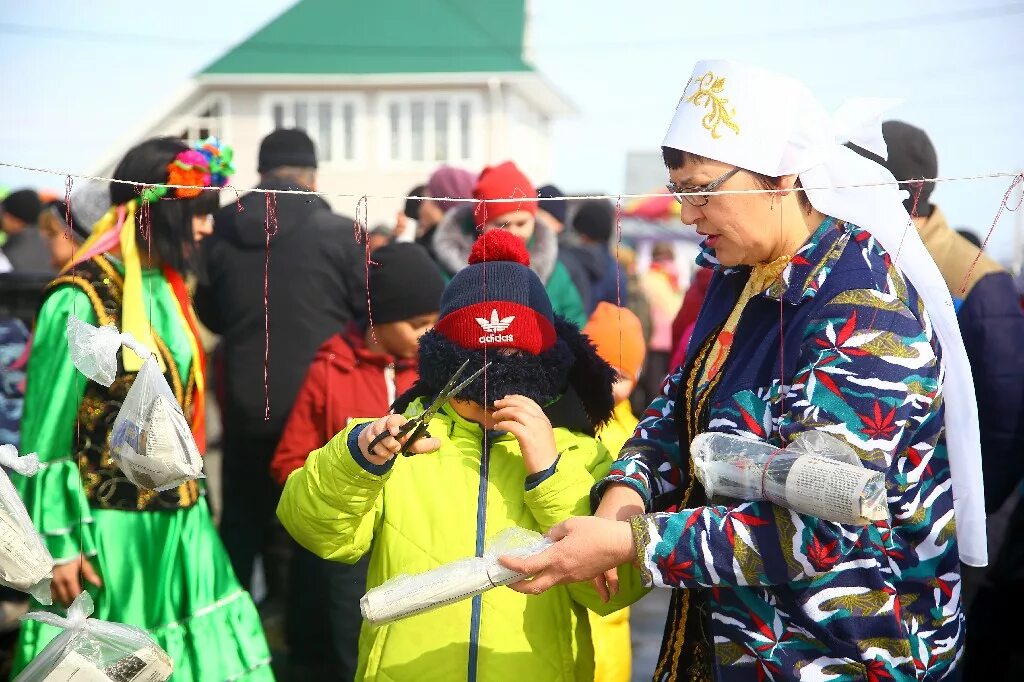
(315, 288)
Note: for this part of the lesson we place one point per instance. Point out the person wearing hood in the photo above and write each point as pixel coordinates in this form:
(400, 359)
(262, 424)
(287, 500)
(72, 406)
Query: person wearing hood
(315, 288)
(445, 184)
(498, 455)
(506, 199)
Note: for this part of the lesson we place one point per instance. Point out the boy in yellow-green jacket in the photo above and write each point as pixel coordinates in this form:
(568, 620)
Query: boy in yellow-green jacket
(619, 338)
(515, 448)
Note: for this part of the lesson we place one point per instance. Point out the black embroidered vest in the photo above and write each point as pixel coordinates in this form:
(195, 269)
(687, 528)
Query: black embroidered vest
(105, 486)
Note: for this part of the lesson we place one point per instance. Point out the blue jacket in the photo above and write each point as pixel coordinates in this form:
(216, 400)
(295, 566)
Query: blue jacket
(793, 596)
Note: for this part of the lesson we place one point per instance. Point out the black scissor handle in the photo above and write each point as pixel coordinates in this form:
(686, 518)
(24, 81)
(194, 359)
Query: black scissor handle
(404, 429)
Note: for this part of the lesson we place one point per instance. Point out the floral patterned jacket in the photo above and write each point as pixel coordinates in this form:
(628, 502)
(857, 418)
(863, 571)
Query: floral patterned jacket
(794, 597)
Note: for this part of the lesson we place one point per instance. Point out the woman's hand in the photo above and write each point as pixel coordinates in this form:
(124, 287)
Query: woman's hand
(620, 502)
(385, 450)
(525, 420)
(585, 547)
(66, 586)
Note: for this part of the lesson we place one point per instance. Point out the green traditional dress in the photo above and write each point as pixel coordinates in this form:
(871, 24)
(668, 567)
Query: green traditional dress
(158, 554)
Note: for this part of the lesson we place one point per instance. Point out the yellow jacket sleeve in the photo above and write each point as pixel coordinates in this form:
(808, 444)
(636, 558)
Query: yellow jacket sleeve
(333, 505)
(565, 493)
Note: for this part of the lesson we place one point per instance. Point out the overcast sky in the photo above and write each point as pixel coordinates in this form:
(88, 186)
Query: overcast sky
(81, 76)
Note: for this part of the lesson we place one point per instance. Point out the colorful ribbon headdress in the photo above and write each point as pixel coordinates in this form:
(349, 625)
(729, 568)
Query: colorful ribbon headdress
(205, 164)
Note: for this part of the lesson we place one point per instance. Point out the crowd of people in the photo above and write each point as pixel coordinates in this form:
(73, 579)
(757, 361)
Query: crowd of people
(858, 313)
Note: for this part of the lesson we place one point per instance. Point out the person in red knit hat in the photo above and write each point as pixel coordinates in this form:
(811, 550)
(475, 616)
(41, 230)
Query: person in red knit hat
(515, 447)
(507, 200)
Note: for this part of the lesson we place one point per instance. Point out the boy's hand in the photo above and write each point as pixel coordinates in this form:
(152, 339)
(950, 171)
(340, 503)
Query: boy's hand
(385, 450)
(525, 420)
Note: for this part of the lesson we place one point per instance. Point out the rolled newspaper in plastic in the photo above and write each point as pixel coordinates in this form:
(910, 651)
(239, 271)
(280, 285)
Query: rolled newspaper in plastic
(816, 474)
(145, 665)
(25, 563)
(408, 595)
(150, 441)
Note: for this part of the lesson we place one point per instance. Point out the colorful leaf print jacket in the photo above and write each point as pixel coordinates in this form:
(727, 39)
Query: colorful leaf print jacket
(793, 597)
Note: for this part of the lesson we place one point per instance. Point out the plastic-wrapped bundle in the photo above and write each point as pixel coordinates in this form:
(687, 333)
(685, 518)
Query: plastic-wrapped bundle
(25, 563)
(408, 595)
(151, 441)
(816, 474)
(94, 349)
(91, 650)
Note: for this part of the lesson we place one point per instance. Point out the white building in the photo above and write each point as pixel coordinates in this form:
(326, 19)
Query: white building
(388, 90)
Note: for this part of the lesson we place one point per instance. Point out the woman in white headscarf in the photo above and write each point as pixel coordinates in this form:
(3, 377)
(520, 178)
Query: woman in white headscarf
(825, 313)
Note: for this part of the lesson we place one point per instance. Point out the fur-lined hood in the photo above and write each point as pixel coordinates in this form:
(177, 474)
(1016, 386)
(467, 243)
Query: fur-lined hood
(454, 237)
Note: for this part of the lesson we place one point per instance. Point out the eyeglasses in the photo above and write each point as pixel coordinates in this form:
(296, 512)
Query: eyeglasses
(692, 194)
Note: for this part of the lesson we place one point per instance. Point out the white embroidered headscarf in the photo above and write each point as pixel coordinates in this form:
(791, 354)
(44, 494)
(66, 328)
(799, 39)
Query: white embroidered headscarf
(771, 124)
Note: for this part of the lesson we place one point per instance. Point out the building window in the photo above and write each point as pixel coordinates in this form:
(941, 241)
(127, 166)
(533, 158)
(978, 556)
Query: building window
(206, 120)
(429, 128)
(329, 120)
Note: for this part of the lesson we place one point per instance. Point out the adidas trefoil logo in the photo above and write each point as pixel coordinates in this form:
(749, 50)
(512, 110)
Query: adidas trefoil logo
(495, 324)
(494, 327)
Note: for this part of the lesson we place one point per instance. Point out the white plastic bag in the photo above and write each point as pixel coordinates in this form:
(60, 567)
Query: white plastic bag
(91, 650)
(151, 441)
(25, 563)
(94, 349)
(408, 595)
(816, 474)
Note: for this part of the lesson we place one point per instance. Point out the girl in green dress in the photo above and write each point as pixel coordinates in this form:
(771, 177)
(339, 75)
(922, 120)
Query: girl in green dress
(149, 559)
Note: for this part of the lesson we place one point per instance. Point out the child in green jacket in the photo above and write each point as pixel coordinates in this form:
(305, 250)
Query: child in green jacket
(514, 448)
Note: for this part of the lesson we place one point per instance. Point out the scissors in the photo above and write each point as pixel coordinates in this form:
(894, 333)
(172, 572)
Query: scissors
(418, 425)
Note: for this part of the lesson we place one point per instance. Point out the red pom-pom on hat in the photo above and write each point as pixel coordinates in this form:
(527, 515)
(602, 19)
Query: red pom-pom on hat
(499, 245)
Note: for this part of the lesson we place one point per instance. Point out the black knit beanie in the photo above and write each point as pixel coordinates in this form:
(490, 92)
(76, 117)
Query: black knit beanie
(404, 283)
(24, 205)
(286, 147)
(555, 208)
(595, 219)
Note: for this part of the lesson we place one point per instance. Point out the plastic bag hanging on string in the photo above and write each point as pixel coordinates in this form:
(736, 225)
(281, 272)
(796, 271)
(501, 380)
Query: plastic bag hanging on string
(25, 563)
(408, 595)
(151, 441)
(94, 349)
(92, 650)
(816, 474)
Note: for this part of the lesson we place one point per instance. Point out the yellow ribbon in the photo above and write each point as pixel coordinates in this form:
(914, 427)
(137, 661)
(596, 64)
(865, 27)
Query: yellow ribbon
(133, 310)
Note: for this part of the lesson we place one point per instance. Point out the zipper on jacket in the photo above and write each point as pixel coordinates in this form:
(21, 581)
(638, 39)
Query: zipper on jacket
(389, 381)
(481, 524)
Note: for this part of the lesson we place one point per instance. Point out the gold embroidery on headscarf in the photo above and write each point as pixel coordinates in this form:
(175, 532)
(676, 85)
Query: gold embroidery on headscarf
(709, 94)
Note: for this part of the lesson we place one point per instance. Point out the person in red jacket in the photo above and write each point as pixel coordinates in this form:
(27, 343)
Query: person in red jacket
(357, 373)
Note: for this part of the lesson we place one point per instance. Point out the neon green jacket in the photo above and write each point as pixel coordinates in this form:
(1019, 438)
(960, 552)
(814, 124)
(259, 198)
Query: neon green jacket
(435, 508)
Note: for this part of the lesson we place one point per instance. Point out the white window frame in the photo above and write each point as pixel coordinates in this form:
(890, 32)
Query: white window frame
(430, 98)
(192, 121)
(313, 98)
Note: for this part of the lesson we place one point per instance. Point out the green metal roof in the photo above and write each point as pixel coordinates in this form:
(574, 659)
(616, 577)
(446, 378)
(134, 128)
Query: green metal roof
(384, 36)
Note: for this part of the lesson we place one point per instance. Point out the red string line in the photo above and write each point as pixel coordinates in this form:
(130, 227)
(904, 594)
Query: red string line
(68, 219)
(270, 229)
(1003, 205)
(68, 182)
(782, 341)
(618, 280)
(361, 230)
